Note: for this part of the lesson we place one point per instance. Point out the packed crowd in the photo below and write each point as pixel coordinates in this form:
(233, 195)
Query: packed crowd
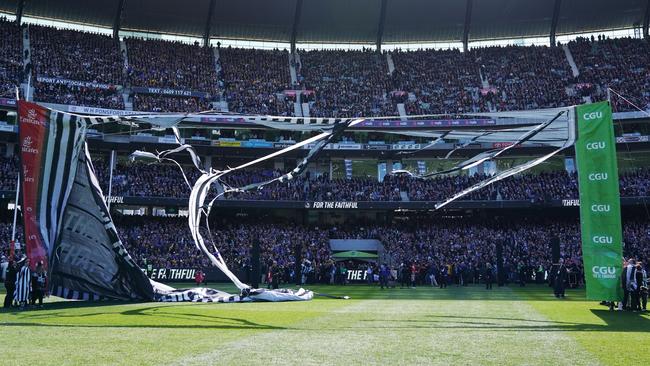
(173, 65)
(8, 173)
(335, 83)
(78, 95)
(144, 180)
(529, 187)
(80, 57)
(346, 83)
(11, 60)
(461, 246)
(620, 64)
(255, 81)
(166, 180)
(439, 81)
(522, 78)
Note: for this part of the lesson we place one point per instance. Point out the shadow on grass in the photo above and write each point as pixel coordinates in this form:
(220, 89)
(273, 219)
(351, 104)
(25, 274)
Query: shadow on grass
(244, 325)
(534, 292)
(162, 315)
(615, 321)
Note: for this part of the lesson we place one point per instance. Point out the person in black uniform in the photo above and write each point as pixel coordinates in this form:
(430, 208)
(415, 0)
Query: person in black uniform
(405, 275)
(636, 292)
(39, 282)
(488, 276)
(10, 284)
(521, 269)
(443, 276)
(559, 278)
(643, 286)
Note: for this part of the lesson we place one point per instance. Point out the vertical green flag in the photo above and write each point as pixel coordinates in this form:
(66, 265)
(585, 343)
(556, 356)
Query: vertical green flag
(600, 204)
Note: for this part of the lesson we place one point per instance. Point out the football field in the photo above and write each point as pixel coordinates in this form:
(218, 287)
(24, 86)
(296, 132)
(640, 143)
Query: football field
(457, 325)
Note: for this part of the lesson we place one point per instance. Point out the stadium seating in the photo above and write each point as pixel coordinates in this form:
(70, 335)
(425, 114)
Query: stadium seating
(80, 57)
(11, 60)
(174, 65)
(620, 64)
(255, 81)
(335, 83)
(164, 180)
(347, 83)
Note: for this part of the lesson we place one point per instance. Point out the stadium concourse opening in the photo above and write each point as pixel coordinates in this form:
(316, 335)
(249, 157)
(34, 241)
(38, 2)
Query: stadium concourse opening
(360, 182)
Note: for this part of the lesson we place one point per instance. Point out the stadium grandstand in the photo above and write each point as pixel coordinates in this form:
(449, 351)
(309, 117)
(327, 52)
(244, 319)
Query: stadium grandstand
(377, 206)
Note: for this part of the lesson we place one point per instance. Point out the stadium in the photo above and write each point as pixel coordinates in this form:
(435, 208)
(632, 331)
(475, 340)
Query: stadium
(340, 182)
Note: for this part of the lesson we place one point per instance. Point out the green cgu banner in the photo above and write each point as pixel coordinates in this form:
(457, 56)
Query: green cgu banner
(600, 204)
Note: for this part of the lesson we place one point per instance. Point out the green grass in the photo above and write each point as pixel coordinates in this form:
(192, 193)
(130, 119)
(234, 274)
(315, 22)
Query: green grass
(459, 326)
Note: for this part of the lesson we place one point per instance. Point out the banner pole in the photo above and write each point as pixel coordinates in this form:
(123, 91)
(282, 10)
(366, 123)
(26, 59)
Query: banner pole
(13, 229)
(29, 86)
(110, 181)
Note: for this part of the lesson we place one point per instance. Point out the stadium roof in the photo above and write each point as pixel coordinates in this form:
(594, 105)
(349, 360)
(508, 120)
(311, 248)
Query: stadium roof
(345, 21)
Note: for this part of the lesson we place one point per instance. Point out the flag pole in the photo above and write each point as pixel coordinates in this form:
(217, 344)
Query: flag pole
(110, 181)
(12, 245)
(12, 248)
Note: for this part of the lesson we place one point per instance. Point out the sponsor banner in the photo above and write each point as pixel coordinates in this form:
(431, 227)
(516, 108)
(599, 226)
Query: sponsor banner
(257, 144)
(324, 205)
(198, 141)
(501, 145)
(101, 111)
(376, 147)
(282, 145)
(169, 140)
(34, 123)
(406, 146)
(372, 123)
(5, 102)
(335, 146)
(426, 123)
(349, 146)
(600, 205)
(227, 143)
(68, 82)
(7, 128)
(171, 92)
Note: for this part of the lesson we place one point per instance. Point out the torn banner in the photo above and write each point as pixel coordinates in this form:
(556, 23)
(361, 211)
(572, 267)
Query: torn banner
(67, 224)
(69, 228)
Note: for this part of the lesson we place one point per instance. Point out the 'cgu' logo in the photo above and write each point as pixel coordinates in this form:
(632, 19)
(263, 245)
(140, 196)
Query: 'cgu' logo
(599, 145)
(592, 115)
(597, 176)
(600, 208)
(603, 272)
(602, 239)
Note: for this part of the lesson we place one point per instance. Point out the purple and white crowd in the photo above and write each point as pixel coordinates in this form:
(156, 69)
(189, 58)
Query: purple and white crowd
(335, 83)
(460, 246)
(134, 179)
